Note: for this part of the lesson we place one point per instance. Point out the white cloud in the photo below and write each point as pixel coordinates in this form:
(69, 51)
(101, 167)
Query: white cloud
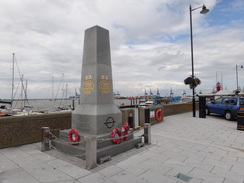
(150, 43)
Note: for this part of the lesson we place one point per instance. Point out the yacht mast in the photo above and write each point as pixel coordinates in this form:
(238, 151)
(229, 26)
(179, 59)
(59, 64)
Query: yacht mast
(22, 89)
(12, 95)
(52, 90)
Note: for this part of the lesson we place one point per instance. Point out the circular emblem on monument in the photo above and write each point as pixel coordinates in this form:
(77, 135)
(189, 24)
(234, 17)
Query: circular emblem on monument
(88, 86)
(104, 86)
(110, 122)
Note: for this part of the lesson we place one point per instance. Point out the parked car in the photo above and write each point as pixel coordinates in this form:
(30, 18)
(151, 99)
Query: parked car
(226, 106)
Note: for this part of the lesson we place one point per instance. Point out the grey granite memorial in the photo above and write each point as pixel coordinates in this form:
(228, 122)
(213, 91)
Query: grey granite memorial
(96, 115)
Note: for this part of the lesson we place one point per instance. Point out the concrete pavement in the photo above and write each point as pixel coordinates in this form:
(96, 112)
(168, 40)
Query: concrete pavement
(183, 149)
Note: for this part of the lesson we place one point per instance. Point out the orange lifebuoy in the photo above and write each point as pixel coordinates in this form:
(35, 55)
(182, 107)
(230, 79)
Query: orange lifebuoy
(116, 136)
(74, 137)
(158, 115)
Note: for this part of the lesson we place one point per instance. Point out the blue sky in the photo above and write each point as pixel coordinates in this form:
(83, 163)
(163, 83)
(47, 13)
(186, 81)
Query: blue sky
(150, 43)
(226, 12)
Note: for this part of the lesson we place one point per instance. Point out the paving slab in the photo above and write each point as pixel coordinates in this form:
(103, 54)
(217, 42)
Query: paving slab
(17, 175)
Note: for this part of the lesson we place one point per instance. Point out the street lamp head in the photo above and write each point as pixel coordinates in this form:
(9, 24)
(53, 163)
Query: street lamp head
(204, 10)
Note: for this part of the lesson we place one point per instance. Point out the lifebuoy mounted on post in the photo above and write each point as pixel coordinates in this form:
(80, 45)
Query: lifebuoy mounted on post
(158, 115)
(74, 137)
(116, 136)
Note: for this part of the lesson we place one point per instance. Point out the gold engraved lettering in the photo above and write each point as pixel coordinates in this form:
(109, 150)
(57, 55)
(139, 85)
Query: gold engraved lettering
(104, 86)
(88, 86)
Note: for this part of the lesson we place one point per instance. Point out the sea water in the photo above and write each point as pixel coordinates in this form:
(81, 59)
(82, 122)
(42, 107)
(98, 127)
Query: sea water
(47, 104)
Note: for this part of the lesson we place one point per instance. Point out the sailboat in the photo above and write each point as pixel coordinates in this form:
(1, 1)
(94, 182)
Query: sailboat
(24, 106)
(62, 106)
(7, 111)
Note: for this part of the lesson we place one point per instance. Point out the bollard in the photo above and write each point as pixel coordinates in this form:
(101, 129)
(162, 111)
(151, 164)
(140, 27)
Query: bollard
(73, 104)
(45, 139)
(91, 152)
(147, 115)
(202, 107)
(147, 133)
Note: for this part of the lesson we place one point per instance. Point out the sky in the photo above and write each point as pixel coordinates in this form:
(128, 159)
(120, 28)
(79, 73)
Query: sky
(149, 40)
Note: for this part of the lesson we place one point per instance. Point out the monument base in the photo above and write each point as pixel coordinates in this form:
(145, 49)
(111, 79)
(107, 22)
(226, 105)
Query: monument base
(104, 146)
(96, 119)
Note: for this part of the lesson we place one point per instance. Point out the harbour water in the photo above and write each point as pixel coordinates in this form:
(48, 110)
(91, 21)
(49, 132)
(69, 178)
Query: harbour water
(46, 104)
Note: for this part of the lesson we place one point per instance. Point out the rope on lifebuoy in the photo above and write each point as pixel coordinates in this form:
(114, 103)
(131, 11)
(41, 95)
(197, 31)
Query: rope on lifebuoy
(158, 115)
(74, 136)
(116, 136)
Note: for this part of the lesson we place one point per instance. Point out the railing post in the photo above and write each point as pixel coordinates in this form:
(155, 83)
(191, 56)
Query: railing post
(45, 139)
(147, 133)
(91, 152)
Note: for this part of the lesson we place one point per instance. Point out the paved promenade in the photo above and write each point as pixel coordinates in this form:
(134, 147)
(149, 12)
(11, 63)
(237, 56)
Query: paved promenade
(183, 149)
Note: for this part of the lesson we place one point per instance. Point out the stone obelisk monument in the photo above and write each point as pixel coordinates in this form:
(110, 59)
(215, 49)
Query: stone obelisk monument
(97, 114)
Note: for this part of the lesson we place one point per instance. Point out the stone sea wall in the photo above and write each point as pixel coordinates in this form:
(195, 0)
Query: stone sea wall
(21, 130)
(171, 109)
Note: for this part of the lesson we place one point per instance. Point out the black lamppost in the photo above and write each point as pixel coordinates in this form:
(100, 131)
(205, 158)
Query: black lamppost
(203, 11)
(237, 87)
